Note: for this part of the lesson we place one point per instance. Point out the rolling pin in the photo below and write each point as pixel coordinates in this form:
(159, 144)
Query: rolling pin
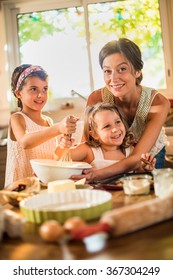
(137, 216)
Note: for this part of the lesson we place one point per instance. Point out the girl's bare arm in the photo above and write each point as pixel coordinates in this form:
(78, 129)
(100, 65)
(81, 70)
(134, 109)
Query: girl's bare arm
(81, 152)
(32, 139)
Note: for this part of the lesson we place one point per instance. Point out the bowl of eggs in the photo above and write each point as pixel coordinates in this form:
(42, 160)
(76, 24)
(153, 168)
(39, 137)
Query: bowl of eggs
(51, 170)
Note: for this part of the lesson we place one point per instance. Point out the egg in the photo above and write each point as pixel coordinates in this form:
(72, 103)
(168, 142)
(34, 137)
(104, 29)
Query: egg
(51, 231)
(73, 223)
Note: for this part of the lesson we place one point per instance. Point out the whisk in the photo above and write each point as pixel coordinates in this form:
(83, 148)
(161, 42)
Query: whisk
(66, 156)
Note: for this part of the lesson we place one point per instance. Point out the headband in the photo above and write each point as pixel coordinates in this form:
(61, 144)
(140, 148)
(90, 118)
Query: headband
(26, 73)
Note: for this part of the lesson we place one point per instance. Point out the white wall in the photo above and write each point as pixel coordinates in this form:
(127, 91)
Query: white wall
(4, 104)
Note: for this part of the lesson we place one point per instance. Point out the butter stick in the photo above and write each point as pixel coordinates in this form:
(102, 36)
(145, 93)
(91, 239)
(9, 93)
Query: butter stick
(61, 185)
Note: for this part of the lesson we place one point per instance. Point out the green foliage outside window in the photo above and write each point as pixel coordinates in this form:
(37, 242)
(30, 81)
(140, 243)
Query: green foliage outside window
(139, 19)
(136, 20)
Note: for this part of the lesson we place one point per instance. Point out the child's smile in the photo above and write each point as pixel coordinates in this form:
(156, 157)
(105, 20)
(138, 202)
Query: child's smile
(110, 128)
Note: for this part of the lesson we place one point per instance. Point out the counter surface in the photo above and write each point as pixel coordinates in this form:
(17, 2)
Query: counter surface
(154, 242)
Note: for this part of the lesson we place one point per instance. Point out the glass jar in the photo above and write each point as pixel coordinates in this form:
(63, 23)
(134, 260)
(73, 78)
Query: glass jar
(136, 184)
(163, 181)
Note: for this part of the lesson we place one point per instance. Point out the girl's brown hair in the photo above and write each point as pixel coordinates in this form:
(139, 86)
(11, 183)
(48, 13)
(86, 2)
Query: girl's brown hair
(90, 125)
(15, 76)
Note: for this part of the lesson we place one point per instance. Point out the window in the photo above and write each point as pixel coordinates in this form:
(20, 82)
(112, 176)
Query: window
(65, 37)
(57, 39)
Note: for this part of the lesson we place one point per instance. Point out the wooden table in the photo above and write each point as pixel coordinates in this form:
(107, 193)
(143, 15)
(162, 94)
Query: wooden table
(154, 242)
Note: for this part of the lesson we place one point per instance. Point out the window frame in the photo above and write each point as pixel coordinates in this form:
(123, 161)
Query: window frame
(11, 8)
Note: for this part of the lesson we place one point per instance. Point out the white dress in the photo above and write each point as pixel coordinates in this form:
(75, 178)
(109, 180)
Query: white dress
(18, 159)
(99, 160)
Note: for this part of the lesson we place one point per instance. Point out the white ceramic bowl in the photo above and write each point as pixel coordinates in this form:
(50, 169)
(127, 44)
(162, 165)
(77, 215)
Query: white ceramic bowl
(48, 170)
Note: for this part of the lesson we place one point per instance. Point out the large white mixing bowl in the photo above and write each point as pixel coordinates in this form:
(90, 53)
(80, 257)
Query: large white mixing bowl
(48, 170)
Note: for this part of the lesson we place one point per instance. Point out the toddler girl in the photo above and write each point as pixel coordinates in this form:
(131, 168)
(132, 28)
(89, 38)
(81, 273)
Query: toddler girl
(107, 139)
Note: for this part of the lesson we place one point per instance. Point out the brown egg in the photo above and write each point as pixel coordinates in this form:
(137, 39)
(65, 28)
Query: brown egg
(51, 231)
(73, 223)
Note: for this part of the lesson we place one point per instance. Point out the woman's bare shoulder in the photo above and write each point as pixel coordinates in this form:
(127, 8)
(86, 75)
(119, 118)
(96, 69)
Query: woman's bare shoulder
(160, 99)
(95, 97)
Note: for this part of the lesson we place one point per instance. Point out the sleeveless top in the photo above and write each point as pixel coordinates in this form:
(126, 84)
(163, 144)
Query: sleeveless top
(140, 118)
(18, 159)
(99, 160)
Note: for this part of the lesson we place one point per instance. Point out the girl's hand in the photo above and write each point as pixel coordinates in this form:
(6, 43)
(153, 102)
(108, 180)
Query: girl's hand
(148, 162)
(68, 125)
(66, 142)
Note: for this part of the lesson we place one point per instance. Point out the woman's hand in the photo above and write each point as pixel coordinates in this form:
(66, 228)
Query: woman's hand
(88, 174)
(148, 161)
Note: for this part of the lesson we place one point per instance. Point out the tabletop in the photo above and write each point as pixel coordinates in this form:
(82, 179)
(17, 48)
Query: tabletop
(151, 243)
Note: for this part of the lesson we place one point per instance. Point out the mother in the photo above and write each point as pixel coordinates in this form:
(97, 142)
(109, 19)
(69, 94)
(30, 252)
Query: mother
(144, 109)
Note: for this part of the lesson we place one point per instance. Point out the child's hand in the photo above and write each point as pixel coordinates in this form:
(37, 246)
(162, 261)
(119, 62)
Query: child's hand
(68, 125)
(148, 162)
(66, 142)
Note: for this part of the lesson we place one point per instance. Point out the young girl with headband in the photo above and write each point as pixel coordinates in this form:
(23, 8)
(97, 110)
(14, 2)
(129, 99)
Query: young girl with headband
(107, 139)
(31, 134)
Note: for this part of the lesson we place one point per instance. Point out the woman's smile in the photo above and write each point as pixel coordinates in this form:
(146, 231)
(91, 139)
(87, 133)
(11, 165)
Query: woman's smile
(117, 86)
